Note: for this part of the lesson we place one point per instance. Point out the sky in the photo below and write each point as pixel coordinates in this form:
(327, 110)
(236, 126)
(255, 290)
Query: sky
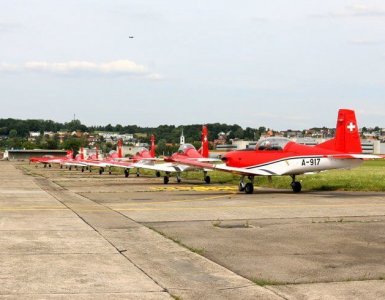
(280, 64)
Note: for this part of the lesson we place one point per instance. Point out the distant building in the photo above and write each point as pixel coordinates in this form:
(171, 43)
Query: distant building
(132, 150)
(182, 139)
(26, 154)
(112, 137)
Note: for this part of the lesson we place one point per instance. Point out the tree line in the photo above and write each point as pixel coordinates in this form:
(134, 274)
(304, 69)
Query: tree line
(16, 128)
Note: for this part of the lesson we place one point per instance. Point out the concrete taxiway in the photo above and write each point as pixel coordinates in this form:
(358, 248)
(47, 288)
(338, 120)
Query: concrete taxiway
(67, 234)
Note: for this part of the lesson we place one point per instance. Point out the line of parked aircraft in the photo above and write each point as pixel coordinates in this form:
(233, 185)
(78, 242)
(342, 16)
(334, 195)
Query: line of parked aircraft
(274, 156)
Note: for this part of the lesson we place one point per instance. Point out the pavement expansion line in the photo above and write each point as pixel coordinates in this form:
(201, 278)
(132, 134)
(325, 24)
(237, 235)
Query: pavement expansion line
(46, 184)
(174, 268)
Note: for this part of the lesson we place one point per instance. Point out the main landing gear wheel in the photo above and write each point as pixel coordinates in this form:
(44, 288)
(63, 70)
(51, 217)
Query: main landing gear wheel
(166, 179)
(126, 173)
(296, 186)
(178, 180)
(241, 187)
(49, 166)
(207, 179)
(157, 174)
(101, 170)
(82, 170)
(249, 188)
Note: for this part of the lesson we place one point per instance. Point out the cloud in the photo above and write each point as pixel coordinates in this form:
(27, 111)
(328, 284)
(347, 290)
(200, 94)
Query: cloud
(363, 42)
(4, 67)
(372, 112)
(356, 10)
(118, 67)
(6, 27)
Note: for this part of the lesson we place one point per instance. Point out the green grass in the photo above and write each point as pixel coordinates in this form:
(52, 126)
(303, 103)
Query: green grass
(199, 251)
(263, 282)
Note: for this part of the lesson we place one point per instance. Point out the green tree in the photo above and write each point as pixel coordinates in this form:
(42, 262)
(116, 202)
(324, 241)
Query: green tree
(12, 133)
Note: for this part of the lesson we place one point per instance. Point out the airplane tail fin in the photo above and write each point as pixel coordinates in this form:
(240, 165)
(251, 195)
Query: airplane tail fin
(152, 149)
(81, 153)
(205, 142)
(347, 138)
(120, 144)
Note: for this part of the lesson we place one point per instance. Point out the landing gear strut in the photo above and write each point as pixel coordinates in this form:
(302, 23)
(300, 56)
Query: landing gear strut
(207, 178)
(137, 173)
(101, 170)
(166, 178)
(295, 185)
(178, 179)
(248, 188)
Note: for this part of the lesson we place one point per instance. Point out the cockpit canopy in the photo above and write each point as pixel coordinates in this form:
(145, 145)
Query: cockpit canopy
(273, 143)
(185, 147)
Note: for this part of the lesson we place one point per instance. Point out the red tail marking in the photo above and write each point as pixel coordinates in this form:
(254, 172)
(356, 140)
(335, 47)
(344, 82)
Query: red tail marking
(205, 142)
(152, 149)
(120, 144)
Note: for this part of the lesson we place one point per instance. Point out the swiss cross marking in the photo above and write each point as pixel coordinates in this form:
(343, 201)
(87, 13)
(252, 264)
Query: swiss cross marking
(351, 126)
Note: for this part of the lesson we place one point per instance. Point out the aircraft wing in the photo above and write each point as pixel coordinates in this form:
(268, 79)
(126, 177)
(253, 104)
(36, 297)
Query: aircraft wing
(75, 164)
(166, 167)
(225, 168)
(207, 159)
(120, 164)
(96, 164)
(355, 156)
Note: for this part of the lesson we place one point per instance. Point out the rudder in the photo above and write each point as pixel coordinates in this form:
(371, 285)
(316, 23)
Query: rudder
(347, 138)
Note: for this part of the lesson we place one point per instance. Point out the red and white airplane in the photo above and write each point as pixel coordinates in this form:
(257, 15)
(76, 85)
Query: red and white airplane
(143, 156)
(48, 160)
(278, 156)
(176, 162)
